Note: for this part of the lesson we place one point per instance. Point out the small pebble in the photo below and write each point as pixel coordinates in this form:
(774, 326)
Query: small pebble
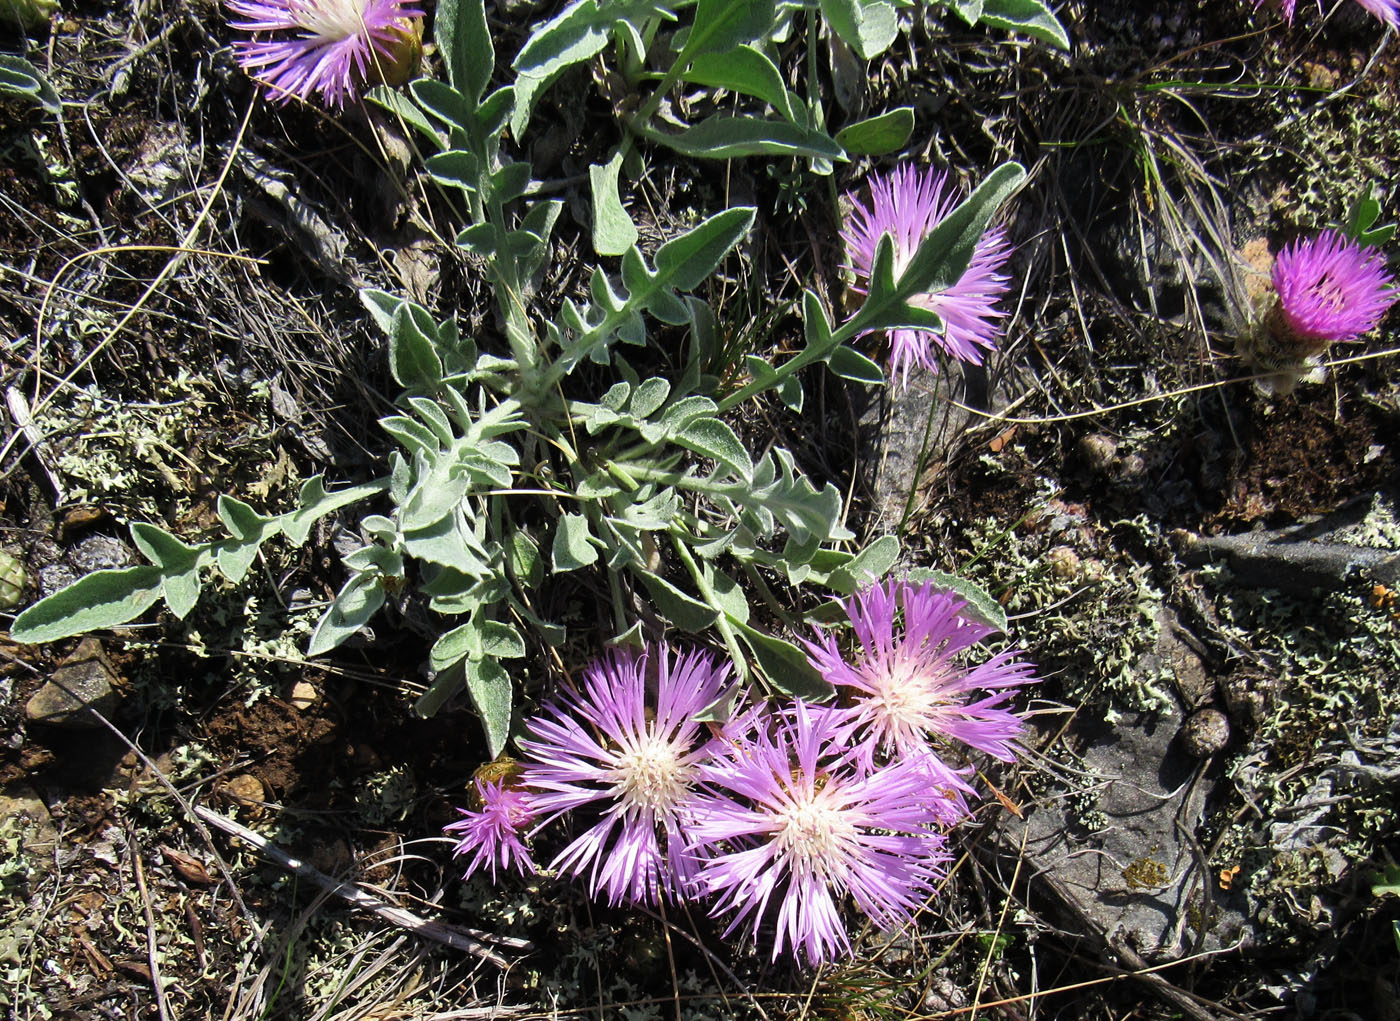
(1097, 451)
(1205, 733)
(303, 695)
(246, 789)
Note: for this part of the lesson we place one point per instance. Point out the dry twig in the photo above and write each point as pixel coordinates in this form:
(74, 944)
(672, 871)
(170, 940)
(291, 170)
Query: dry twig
(473, 941)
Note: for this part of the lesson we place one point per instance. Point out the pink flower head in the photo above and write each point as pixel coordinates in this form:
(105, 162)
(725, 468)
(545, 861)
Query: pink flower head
(909, 204)
(492, 835)
(1387, 10)
(339, 46)
(1331, 288)
(908, 682)
(633, 756)
(791, 821)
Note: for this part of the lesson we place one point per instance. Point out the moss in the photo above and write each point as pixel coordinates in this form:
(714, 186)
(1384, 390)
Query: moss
(1090, 613)
(148, 461)
(1316, 811)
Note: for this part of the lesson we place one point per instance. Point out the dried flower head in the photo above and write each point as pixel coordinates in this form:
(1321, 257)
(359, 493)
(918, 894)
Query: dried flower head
(339, 46)
(1330, 288)
(791, 820)
(636, 759)
(908, 204)
(907, 678)
(492, 834)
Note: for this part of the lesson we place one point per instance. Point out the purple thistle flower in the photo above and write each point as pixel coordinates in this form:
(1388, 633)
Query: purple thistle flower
(908, 682)
(791, 819)
(1387, 10)
(908, 204)
(637, 759)
(340, 45)
(1331, 288)
(492, 835)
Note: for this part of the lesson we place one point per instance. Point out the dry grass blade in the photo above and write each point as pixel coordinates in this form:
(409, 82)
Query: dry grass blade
(472, 941)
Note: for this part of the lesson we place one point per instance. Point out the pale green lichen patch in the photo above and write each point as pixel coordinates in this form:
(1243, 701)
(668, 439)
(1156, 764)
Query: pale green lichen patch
(156, 460)
(1316, 782)
(1090, 613)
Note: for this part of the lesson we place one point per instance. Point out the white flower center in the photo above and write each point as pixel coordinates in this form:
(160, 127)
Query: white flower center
(910, 699)
(651, 776)
(815, 835)
(332, 19)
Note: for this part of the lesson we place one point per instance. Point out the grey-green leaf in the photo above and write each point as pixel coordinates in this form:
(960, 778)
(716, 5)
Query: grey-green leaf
(684, 262)
(870, 564)
(102, 599)
(18, 77)
(465, 42)
(488, 686)
(980, 603)
(354, 605)
(413, 357)
(712, 438)
(613, 229)
(876, 136)
(1030, 17)
(866, 26)
(785, 665)
(573, 544)
(724, 136)
(747, 70)
(681, 609)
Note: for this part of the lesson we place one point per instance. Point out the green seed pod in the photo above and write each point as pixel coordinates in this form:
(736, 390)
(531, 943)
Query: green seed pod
(29, 15)
(12, 579)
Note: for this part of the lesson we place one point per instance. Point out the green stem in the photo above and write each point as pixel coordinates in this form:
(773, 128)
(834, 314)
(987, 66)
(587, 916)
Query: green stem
(731, 640)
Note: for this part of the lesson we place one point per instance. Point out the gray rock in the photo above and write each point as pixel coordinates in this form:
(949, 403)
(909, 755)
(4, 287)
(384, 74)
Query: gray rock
(1124, 858)
(99, 552)
(85, 680)
(905, 431)
(1205, 733)
(39, 837)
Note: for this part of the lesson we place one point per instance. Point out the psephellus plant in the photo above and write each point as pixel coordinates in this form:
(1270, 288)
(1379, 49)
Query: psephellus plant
(503, 474)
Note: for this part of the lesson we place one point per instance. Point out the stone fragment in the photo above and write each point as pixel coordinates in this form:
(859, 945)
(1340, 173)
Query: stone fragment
(1097, 451)
(303, 695)
(907, 433)
(19, 801)
(247, 790)
(1205, 733)
(84, 681)
(1118, 848)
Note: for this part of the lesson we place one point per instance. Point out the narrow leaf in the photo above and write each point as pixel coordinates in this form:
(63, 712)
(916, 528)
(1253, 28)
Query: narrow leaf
(785, 665)
(747, 70)
(101, 599)
(681, 609)
(354, 605)
(724, 136)
(980, 603)
(613, 229)
(876, 136)
(465, 42)
(488, 686)
(1029, 17)
(712, 438)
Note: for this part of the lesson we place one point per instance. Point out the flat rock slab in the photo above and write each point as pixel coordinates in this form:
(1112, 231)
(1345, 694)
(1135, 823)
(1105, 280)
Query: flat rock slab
(85, 680)
(1122, 848)
(907, 432)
